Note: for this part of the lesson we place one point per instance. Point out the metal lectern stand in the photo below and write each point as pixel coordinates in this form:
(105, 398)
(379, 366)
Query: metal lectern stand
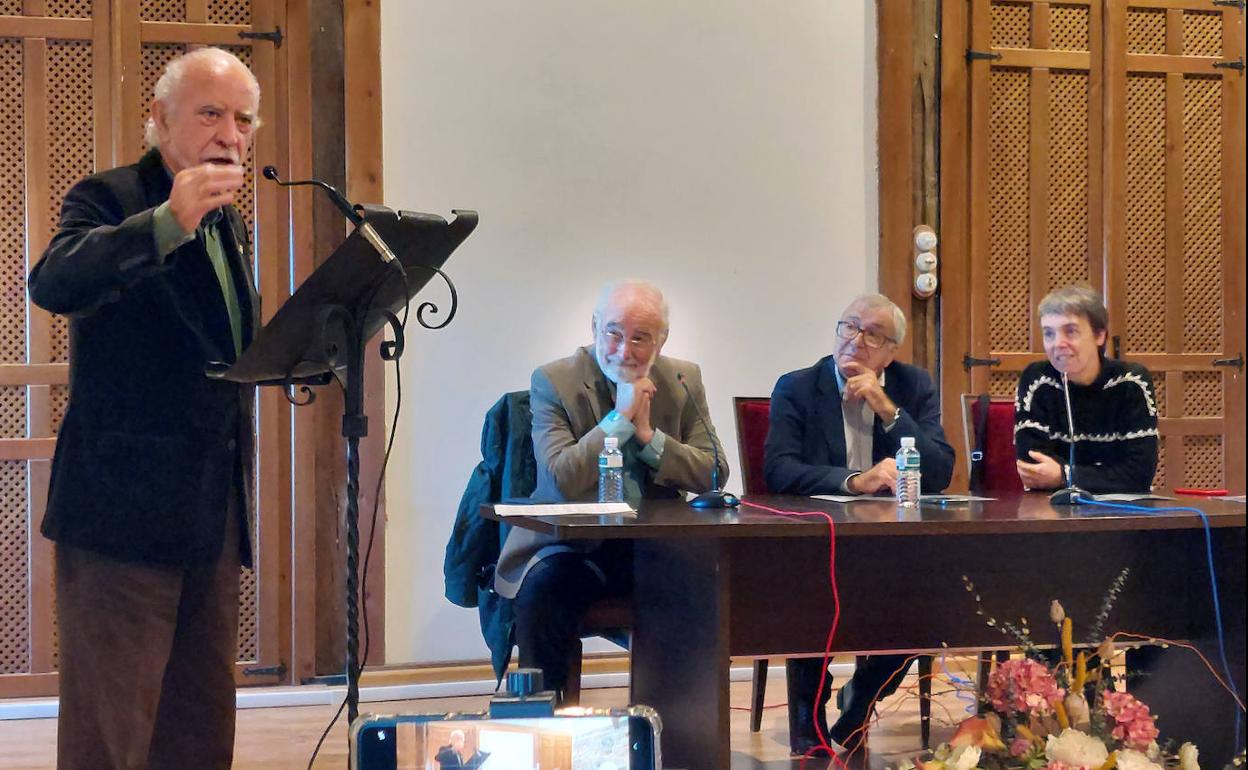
(321, 332)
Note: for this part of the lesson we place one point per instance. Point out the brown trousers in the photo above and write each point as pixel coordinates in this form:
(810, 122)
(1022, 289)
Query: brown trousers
(147, 661)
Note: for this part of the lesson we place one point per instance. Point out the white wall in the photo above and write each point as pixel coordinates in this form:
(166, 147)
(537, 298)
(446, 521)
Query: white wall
(724, 150)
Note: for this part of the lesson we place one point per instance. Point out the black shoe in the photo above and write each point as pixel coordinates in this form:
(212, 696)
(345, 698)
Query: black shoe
(801, 746)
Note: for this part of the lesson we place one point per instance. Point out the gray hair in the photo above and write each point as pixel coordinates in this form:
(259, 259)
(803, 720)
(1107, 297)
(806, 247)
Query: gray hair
(641, 287)
(880, 302)
(1077, 300)
(170, 83)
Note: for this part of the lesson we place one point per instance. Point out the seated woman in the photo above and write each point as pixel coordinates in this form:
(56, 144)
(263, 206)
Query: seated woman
(1112, 404)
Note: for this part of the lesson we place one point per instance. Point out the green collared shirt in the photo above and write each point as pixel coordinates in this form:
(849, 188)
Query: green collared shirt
(170, 236)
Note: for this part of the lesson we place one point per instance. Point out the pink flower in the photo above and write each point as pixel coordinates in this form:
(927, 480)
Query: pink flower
(1061, 766)
(1023, 686)
(1133, 724)
(1019, 747)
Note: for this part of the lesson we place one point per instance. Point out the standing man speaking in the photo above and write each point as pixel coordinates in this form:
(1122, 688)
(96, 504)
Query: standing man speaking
(150, 500)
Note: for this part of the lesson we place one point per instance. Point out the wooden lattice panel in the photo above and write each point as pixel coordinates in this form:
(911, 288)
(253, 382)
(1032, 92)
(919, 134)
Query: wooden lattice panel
(11, 7)
(1202, 394)
(1068, 178)
(1203, 462)
(1008, 204)
(1069, 27)
(58, 349)
(13, 411)
(1003, 384)
(1146, 214)
(1202, 33)
(247, 648)
(229, 11)
(1011, 25)
(162, 10)
(70, 120)
(154, 58)
(12, 207)
(1202, 220)
(14, 615)
(80, 9)
(1146, 30)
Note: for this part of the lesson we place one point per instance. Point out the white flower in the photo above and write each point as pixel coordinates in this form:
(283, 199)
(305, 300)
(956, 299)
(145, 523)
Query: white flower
(1056, 613)
(1130, 759)
(1078, 712)
(1077, 749)
(965, 758)
(1187, 757)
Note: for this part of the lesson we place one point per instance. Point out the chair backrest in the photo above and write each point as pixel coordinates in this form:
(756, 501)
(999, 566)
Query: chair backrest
(989, 437)
(753, 419)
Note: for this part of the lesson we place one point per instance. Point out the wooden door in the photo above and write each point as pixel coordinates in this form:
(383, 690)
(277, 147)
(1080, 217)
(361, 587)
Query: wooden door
(1063, 161)
(78, 76)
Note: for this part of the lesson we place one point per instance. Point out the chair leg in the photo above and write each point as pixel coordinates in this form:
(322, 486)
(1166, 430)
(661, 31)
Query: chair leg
(572, 690)
(925, 699)
(758, 692)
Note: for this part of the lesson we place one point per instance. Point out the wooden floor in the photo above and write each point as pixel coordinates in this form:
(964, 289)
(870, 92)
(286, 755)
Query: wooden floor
(271, 738)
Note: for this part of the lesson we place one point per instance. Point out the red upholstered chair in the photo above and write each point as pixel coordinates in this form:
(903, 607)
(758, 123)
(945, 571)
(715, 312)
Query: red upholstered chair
(753, 420)
(988, 429)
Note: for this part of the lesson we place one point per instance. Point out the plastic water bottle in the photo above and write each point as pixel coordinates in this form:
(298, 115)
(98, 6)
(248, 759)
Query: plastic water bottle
(908, 475)
(611, 472)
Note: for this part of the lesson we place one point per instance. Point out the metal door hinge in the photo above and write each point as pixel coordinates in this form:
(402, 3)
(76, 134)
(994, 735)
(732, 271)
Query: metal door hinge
(275, 37)
(973, 55)
(968, 361)
(1237, 64)
(1237, 362)
(1116, 342)
(278, 671)
(1230, 4)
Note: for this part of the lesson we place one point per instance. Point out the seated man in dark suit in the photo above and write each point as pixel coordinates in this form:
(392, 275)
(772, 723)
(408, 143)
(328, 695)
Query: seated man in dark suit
(451, 756)
(835, 428)
(620, 386)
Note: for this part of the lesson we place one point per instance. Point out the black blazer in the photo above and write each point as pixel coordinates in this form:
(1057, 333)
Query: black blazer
(149, 447)
(805, 449)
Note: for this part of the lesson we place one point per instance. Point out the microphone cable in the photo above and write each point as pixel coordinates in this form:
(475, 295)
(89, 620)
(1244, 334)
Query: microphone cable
(1213, 585)
(381, 477)
(836, 619)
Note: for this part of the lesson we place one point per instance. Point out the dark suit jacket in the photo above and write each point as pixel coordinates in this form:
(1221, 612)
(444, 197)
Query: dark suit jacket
(805, 449)
(149, 447)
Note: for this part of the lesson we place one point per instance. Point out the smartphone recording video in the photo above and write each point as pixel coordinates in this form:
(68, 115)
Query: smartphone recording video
(617, 741)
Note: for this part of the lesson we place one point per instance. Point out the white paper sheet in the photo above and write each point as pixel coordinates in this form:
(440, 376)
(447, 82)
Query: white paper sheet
(566, 509)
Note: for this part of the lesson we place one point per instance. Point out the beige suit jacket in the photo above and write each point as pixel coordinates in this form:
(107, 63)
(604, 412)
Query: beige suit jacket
(569, 398)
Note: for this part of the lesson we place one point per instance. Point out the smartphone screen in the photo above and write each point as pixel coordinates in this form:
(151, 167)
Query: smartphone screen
(549, 743)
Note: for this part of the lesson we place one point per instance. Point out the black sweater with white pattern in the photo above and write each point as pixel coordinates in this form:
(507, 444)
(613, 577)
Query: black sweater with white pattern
(1115, 425)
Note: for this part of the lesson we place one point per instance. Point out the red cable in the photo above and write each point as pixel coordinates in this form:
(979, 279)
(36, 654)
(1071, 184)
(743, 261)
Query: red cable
(836, 619)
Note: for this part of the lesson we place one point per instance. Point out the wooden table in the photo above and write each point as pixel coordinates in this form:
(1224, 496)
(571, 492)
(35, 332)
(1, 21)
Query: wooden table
(710, 585)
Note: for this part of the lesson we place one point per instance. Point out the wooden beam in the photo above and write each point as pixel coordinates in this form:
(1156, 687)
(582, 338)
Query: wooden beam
(1233, 257)
(45, 27)
(182, 32)
(895, 62)
(1191, 65)
(362, 84)
(1031, 57)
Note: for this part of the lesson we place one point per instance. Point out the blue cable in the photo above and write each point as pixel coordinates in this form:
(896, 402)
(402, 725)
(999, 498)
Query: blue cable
(959, 693)
(1213, 582)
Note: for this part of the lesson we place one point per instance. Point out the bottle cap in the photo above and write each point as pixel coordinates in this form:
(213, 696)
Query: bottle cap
(907, 442)
(611, 442)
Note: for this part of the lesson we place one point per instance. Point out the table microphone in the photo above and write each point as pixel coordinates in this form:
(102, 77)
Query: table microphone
(1071, 495)
(716, 498)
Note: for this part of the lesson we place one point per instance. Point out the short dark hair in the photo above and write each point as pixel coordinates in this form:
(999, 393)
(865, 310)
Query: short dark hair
(1081, 300)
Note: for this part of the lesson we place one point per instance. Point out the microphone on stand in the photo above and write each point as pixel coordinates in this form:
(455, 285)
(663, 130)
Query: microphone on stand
(339, 200)
(1071, 494)
(716, 498)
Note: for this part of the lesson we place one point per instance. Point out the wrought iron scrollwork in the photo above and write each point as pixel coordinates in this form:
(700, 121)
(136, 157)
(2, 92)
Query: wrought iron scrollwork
(307, 398)
(391, 350)
(433, 308)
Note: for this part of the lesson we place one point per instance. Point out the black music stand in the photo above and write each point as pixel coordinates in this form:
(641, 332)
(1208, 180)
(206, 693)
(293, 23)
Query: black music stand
(321, 332)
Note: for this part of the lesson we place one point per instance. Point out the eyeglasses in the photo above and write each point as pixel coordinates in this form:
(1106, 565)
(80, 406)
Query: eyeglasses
(847, 330)
(640, 340)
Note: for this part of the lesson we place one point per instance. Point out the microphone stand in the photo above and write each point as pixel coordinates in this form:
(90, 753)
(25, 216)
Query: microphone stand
(716, 498)
(1071, 494)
